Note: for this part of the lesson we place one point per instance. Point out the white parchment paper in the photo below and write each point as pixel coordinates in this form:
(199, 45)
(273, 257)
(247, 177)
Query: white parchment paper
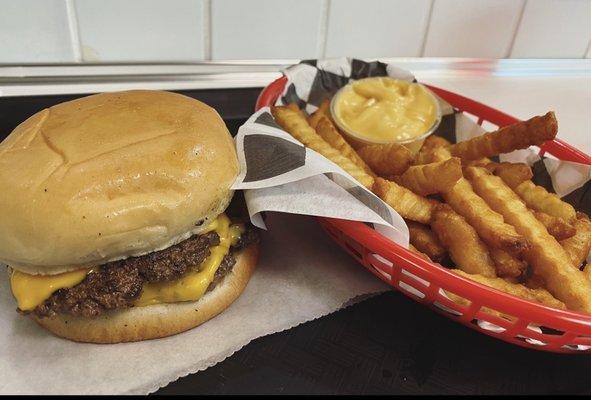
(279, 174)
(302, 275)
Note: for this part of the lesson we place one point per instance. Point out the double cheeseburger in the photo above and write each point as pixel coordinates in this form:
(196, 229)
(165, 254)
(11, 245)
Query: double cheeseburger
(113, 217)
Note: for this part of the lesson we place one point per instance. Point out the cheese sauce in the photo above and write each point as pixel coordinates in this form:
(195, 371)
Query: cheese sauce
(383, 110)
(32, 290)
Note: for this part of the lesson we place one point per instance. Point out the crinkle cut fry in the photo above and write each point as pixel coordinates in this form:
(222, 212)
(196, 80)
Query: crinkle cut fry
(425, 240)
(323, 111)
(578, 246)
(327, 131)
(295, 123)
(481, 162)
(434, 141)
(490, 225)
(432, 155)
(406, 203)
(431, 178)
(425, 154)
(556, 226)
(541, 296)
(539, 199)
(419, 253)
(520, 135)
(386, 159)
(508, 266)
(546, 256)
(460, 239)
(512, 174)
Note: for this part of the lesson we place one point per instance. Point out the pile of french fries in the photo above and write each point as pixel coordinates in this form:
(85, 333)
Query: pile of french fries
(486, 219)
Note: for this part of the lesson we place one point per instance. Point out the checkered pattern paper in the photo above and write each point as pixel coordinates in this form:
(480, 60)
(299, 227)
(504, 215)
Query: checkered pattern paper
(274, 163)
(279, 174)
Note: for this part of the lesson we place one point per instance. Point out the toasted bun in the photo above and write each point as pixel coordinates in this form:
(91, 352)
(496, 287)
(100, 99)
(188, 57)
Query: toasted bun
(150, 322)
(110, 176)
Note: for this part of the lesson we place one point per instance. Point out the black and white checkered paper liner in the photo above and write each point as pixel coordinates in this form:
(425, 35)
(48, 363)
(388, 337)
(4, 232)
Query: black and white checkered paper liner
(279, 174)
(270, 157)
(272, 160)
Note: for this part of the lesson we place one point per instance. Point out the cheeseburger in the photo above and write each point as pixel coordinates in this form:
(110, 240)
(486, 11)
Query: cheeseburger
(114, 217)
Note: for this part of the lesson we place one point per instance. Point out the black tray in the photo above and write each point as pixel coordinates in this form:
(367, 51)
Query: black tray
(385, 345)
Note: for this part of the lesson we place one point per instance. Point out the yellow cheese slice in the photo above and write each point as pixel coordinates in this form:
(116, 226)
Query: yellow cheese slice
(191, 286)
(32, 290)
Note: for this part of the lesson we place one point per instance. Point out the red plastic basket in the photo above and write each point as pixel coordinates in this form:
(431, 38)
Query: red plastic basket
(532, 325)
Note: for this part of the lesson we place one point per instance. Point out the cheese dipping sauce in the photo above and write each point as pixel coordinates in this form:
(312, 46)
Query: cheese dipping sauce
(385, 110)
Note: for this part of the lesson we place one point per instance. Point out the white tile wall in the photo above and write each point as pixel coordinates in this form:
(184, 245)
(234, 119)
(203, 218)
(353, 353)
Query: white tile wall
(265, 28)
(553, 28)
(377, 28)
(472, 28)
(140, 30)
(33, 31)
(58, 31)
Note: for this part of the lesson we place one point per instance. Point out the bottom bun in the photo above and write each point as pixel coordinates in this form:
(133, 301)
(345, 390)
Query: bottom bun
(160, 320)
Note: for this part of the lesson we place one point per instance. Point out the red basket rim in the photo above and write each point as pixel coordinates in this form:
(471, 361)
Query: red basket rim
(379, 244)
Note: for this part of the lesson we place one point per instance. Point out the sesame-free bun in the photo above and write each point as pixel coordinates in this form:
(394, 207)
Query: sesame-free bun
(160, 320)
(110, 176)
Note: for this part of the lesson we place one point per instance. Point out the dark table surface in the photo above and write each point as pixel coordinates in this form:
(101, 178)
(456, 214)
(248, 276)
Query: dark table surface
(384, 345)
(387, 344)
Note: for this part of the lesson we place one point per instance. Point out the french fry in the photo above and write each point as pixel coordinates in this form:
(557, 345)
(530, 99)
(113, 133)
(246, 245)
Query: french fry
(441, 154)
(424, 155)
(511, 173)
(295, 123)
(419, 253)
(578, 246)
(432, 178)
(386, 159)
(507, 266)
(489, 224)
(460, 239)
(323, 111)
(423, 238)
(539, 295)
(294, 107)
(408, 204)
(520, 135)
(546, 257)
(432, 155)
(434, 141)
(539, 199)
(555, 226)
(327, 131)
(534, 281)
(481, 162)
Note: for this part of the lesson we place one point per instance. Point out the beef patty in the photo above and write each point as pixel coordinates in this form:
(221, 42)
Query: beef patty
(118, 284)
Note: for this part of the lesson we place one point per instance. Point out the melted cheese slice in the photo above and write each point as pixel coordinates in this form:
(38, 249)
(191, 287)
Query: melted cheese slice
(32, 290)
(191, 286)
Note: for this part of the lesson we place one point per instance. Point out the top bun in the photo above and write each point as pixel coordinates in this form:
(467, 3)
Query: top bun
(110, 176)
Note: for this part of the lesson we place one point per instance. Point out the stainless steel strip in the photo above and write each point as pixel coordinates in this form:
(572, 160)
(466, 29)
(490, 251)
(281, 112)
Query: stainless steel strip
(88, 78)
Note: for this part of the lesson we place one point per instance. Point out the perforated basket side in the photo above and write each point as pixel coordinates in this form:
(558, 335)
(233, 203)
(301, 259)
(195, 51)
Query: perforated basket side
(479, 307)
